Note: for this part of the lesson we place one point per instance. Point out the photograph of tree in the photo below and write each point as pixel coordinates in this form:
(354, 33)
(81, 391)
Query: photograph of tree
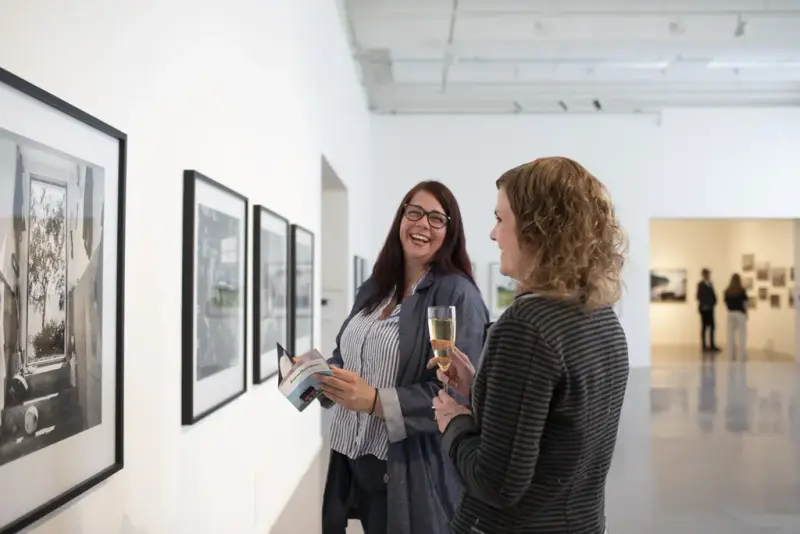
(51, 273)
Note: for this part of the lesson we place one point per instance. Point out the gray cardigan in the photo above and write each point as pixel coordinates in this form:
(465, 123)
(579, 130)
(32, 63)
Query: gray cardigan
(423, 488)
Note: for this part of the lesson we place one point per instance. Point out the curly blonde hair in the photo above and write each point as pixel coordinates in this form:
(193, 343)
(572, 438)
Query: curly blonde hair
(566, 224)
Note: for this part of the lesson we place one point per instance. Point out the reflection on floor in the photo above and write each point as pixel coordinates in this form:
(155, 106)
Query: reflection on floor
(704, 448)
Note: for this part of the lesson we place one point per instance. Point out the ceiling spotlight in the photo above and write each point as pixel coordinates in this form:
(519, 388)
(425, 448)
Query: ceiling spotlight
(740, 26)
(597, 105)
(563, 105)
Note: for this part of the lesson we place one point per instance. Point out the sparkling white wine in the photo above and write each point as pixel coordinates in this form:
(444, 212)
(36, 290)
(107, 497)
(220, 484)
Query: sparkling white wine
(443, 336)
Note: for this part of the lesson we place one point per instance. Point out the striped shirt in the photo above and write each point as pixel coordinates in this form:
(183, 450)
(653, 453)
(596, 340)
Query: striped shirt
(546, 404)
(370, 347)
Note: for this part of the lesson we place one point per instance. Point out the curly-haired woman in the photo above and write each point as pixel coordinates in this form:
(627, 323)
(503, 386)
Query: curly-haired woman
(533, 450)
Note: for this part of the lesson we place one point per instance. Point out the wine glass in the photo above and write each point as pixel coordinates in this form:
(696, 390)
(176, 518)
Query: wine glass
(442, 329)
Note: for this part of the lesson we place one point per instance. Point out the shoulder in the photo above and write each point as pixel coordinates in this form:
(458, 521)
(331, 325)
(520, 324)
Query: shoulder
(556, 320)
(516, 341)
(455, 287)
(455, 283)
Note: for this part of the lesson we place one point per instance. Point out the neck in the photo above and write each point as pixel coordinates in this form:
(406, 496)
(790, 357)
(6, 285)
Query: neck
(414, 271)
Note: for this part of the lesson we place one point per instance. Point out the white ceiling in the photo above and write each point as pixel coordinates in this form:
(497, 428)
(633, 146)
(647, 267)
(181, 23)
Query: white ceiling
(556, 56)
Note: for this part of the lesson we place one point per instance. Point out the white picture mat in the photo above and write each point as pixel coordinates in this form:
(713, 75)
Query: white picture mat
(49, 472)
(278, 226)
(220, 386)
(303, 344)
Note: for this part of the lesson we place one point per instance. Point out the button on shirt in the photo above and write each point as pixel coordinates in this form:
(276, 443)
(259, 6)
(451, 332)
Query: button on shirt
(370, 347)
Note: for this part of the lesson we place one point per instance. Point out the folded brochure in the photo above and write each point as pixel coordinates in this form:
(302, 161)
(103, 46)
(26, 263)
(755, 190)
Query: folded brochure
(297, 378)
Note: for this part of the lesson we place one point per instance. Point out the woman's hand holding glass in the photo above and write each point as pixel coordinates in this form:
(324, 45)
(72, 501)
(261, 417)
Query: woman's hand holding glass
(459, 373)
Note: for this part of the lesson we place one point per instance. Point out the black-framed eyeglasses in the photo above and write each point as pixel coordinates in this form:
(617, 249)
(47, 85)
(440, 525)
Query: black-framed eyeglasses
(436, 219)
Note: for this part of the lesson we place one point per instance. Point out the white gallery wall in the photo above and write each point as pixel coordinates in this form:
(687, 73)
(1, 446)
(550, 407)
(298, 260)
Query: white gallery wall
(251, 94)
(689, 163)
(719, 246)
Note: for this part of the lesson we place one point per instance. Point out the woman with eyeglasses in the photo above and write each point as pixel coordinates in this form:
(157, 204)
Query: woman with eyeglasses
(386, 466)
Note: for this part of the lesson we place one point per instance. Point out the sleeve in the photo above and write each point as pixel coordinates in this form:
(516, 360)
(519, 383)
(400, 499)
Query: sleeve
(407, 410)
(497, 460)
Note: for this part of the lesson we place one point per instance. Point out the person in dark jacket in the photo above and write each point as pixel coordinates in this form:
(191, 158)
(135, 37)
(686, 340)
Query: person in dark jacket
(534, 446)
(706, 302)
(386, 465)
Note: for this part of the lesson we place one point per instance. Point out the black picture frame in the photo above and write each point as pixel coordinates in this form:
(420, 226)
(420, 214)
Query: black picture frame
(40, 105)
(365, 273)
(265, 364)
(301, 292)
(195, 402)
(358, 275)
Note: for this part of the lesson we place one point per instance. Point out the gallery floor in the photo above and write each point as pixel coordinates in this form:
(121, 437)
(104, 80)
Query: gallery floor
(704, 448)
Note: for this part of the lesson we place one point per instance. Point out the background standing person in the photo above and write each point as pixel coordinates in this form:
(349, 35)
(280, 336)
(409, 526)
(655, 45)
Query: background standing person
(706, 302)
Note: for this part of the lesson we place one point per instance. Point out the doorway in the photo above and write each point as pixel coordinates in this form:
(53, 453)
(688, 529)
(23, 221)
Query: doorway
(762, 252)
(335, 266)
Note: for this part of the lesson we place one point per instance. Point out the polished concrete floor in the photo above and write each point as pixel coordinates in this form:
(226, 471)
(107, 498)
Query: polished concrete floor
(706, 446)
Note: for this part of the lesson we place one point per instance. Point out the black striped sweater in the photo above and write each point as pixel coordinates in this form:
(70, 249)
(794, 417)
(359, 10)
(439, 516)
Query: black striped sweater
(546, 402)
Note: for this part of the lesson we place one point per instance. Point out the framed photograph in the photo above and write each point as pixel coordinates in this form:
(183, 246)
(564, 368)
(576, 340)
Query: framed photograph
(748, 262)
(214, 296)
(752, 303)
(762, 293)
(502, 291)
(62, 200)
(762, 271)
(748, 282)
(302, 290)
(365, 270)
(358, 274)
(790, 299)
(271, 291)
(775, 301)
(668, 285)
(779, 277)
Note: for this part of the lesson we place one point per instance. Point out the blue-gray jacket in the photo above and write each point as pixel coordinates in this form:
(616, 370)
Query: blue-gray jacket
(423, 488)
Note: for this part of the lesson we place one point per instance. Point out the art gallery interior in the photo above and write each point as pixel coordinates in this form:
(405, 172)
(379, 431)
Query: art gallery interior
(328, 112)
(762, 251)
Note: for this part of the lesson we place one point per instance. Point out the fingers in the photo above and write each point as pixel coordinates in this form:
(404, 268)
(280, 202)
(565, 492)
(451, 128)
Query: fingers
(332, 384)
(456, 354)
(342, 374)
(446, 379)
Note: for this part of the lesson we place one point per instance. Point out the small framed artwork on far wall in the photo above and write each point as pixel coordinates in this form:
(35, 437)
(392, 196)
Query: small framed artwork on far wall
(270, 291)
(762, 271)
(301, 290)
(668, 285)
(748, 262)
(214, 296)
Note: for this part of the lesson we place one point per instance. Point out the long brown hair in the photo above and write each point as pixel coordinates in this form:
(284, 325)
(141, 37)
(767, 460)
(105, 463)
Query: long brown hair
(567, 225)
(389, 274)
(735, 286)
